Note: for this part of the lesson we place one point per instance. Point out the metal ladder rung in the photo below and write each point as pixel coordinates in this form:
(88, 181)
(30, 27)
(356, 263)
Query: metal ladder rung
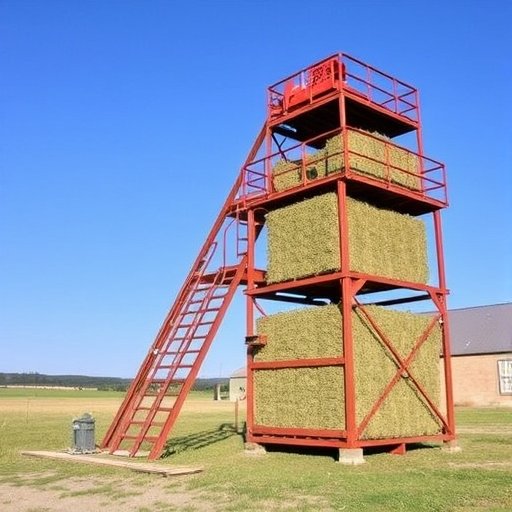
(199, 311)
(181, 326)
(173, 381)
(149, 408)
(177, 366)
(175, 353)
(220, 296)
(183, 338)
(150, 439)
(159, 392)
(199, 301)
(153, 423)
(215, 295)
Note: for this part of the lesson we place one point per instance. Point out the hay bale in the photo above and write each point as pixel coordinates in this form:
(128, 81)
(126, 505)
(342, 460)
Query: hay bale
(305, 333)
(300, 398)
(314, 397)
(316, 165)
(387, 243)
(404, 412)
(286, 174)
(368, 155)
(303, 240)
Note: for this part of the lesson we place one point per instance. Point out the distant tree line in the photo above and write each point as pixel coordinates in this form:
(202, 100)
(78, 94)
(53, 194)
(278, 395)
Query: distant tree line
(84, 381)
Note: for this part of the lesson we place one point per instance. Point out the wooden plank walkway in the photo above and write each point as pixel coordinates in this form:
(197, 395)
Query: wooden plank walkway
(101, 459)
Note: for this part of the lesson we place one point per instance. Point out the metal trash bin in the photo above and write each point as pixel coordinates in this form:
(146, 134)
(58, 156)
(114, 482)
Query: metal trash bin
(83, 434)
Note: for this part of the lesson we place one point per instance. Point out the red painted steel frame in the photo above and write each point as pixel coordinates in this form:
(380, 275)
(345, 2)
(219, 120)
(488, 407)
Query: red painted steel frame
(346, 82)
(349, 283)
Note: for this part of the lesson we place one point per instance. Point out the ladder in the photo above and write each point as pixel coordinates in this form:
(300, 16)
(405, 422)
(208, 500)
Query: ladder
(156, 395)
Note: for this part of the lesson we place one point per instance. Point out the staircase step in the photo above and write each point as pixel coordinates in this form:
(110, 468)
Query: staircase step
(150, 439)
(153, 423)
(181, 326)
(149, 408)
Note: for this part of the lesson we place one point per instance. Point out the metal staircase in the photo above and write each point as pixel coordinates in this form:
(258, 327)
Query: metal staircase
(156, 395)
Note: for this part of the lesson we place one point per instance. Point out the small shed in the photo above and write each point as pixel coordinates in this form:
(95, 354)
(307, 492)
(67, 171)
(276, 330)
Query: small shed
(237, 384)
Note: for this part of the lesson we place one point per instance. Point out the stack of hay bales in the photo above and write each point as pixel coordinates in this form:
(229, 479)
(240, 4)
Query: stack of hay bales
(289, 397)
(314, 397)
(368, 155)
(303, 240)
(405, 412)
(288, 173)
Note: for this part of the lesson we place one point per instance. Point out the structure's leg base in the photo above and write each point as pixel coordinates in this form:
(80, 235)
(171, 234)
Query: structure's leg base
(254, 449)
(351, 456)
(451, 446)
(399, 449)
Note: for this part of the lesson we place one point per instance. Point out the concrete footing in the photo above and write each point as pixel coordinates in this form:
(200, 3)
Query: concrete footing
(351, 456)
(451, 446)
(254, 449)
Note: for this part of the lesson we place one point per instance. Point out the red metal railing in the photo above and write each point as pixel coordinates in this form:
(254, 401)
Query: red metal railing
(342, 72)
(382, 162)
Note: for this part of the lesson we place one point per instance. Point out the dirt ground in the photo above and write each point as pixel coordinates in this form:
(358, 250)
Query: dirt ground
(131, 494)
(107, 495)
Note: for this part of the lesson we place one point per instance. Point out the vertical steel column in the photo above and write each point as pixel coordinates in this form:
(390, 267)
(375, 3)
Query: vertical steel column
(250, 284)
(445, 327)
(419, 139)
(251, 235)
(251, 241)
(346, 310)
(267, 165)
(346, 290)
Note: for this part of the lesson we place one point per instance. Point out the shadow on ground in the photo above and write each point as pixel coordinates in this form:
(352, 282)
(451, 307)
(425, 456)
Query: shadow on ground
(332, 452)
(199, 440)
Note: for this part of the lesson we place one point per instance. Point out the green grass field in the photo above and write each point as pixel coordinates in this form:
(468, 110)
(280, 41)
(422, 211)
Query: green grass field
(478, 478)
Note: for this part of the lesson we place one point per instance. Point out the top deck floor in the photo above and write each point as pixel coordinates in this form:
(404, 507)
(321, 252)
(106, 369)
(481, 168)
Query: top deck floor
(373, 98)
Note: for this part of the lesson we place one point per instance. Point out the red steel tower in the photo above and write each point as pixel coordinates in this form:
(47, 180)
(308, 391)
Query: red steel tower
(336, 97)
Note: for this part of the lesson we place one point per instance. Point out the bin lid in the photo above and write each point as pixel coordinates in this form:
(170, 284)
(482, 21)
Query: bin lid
(85, 418)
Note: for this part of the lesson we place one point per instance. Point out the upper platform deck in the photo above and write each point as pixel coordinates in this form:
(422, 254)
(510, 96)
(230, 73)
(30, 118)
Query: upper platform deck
(374, 168)
(374, 100)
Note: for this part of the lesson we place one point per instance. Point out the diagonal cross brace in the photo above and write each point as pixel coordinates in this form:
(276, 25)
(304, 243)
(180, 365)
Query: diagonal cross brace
(403, 366)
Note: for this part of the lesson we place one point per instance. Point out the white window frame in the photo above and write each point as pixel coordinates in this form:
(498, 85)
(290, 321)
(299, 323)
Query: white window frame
(505, 376)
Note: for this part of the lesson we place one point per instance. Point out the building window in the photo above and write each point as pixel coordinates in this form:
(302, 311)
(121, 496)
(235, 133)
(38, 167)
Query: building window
(505, 376)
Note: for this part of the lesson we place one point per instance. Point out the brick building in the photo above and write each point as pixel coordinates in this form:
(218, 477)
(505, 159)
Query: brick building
(481, 340)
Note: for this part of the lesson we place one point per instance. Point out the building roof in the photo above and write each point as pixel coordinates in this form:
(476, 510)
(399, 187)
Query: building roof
(481, 329)
(241, 372)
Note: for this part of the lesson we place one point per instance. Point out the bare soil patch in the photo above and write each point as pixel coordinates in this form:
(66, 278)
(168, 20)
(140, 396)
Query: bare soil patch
(107, 495)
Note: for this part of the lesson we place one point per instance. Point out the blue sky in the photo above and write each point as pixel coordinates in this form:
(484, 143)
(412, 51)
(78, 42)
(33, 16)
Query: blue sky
(123, 125)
